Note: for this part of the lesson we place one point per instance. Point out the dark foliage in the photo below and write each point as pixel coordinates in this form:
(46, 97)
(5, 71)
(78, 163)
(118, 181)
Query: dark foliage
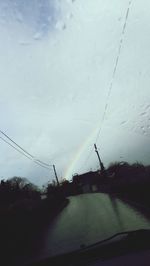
(16, 189)
(130, 180)
(23, 214)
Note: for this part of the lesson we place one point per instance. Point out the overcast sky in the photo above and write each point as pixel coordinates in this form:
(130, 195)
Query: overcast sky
(56, 63)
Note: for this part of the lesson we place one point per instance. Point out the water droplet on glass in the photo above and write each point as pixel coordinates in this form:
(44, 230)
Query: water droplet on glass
(60, 25)
(24, 43)
(69, 16)
(123, 122)
(148, 106)
(37, 36)
(143, 113)
(19, 17)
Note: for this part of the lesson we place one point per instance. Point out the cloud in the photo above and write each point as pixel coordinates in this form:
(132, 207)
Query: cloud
(54, 86)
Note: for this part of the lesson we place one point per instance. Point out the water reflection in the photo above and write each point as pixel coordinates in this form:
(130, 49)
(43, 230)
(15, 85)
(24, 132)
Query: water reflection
(115, 207)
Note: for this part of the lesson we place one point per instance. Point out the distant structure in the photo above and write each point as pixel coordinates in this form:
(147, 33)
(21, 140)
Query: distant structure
(87, 182)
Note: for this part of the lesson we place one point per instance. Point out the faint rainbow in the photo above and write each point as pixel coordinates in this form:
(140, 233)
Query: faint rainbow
(70, 170)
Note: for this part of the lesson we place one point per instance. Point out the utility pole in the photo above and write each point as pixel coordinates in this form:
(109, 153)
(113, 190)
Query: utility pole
(102, 168)
(55, 174)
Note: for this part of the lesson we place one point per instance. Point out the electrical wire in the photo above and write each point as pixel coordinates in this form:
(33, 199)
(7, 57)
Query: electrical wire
(26, 152)
(115, 70)
(113, 77)
(43, 162)
(23, 153)
(16, 144)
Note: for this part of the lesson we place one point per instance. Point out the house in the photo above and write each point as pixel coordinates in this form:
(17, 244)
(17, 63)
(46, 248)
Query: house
(88, 182)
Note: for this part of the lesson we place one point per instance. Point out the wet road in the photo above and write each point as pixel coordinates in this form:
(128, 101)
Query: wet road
(87, 219)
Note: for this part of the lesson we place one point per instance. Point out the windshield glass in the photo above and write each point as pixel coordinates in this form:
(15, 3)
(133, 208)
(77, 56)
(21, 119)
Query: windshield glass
(75, 121)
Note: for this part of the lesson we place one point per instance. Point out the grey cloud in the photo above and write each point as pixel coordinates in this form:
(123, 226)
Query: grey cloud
(54, 91)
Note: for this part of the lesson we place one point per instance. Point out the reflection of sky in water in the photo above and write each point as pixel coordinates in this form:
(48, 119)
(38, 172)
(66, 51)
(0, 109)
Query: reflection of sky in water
(37, 15)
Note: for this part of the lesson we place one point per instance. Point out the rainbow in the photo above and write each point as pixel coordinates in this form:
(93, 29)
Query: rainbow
(77, 155)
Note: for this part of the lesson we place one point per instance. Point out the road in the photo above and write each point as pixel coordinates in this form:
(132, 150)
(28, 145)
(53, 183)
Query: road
(87, 219)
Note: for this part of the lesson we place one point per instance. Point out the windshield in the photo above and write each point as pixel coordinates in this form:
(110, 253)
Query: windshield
(75, 122)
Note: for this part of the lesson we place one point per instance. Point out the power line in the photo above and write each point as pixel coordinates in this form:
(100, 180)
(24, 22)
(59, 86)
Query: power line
(42, 165)
(33, 157)
(113, 77)
(15, 148)
(43, 162)
(23, 153)
(15, 143)
(115, 69)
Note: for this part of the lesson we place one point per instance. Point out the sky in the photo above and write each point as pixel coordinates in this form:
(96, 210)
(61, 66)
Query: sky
(57, 59)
